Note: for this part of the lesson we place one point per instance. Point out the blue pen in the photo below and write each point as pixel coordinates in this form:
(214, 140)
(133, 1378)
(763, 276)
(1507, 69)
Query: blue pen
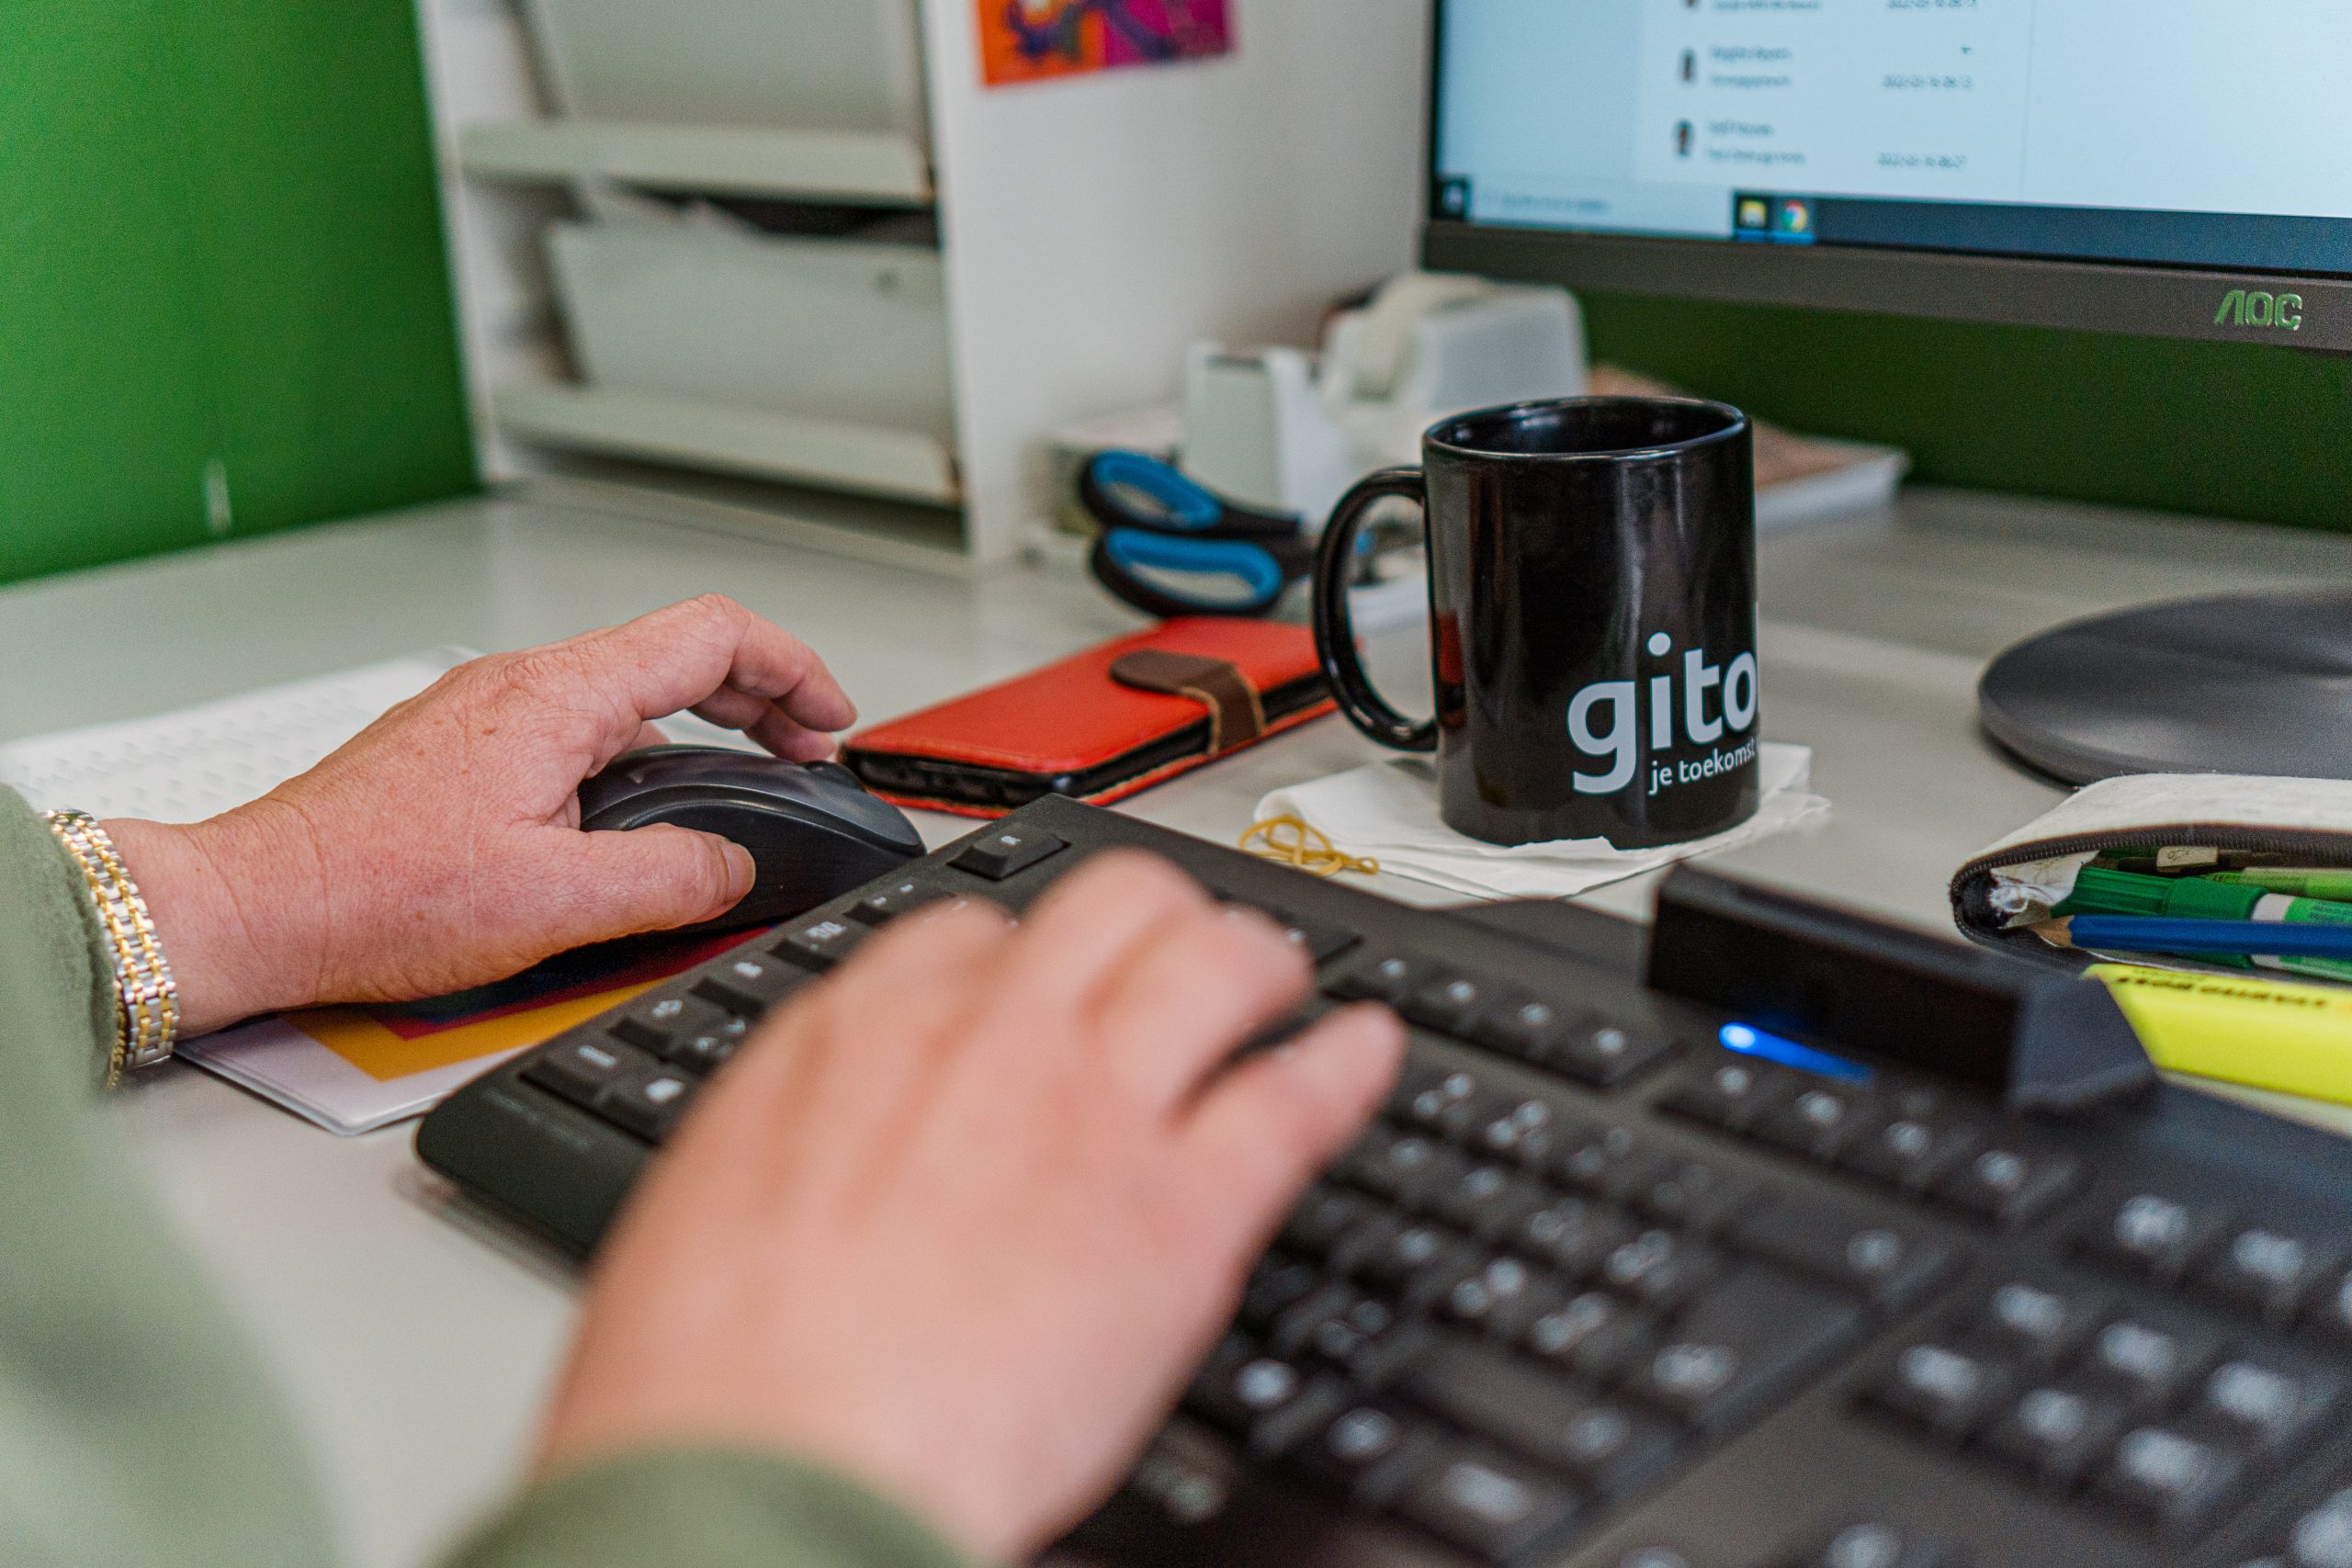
(2237, 939)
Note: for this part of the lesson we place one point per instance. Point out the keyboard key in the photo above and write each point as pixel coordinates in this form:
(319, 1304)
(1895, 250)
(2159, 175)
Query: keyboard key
(1573, 1234)
(897, 901)
(1603, 1052)
(1445, 1000)
(1692, 1196)
(2152, 1235)
(1874, 1545)
(1376, 977)
(2034, 1326)
(2169, 1479)
(2057, 1434)
(1501, 1299)
(584, 1069)
(1493, 1508)
(2008, 1185)
(1449, 1108)
(1910, 1151)
(1816, 1122)
(1890, 1265)
(819, 945)
(1007, 853)
(2323, 1537)
(647, 1104)
(749, 983)
(1366, 1340)
(1408, 1168)
(706, 1049)
(1950, 1391)
(2331, 1316)
(1607, 1162)
(1264, 1400)
(1319, 940)
(2144, 1364)
(1732, 1094)
(654, 1022)
(1490, 1202)
(1280, 1281)
(1592, 1335)
(2267, 1271)
(1522, 1026)
(2268, 1407)
(1746, 1343)
(1518, 1128)
(1324, 1218)
(1419, 1265)
(1367, 1451)
(1659, 1270)
(1606, 1449)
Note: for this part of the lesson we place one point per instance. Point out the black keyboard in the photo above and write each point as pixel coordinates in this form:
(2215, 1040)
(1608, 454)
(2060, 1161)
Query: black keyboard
(1597, 1290)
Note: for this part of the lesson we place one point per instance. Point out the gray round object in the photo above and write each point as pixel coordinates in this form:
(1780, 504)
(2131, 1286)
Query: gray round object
(2250, 683)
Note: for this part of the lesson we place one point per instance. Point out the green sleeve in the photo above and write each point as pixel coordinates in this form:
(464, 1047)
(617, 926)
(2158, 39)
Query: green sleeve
(710, 1509)
(57, 945)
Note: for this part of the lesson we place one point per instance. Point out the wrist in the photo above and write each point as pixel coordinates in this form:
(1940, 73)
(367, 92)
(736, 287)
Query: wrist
(230, 909)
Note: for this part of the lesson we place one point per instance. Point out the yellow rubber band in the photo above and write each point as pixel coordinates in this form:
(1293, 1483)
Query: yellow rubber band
(1297, 842)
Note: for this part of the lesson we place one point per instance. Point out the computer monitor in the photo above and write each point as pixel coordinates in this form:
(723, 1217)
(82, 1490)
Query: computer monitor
(2175, 168)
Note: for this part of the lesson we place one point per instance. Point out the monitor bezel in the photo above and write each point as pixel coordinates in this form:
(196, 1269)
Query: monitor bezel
(2140, 301)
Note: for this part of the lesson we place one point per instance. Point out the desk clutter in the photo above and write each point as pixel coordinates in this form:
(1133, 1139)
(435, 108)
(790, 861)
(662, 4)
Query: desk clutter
(1617, 1263)
(2218, 907)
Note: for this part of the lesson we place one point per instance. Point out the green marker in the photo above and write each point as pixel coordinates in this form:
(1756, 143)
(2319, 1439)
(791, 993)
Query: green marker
(2225, 897)
(2303, 882)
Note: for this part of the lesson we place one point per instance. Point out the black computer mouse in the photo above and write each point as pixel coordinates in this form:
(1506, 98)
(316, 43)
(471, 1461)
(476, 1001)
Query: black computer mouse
(814, 831)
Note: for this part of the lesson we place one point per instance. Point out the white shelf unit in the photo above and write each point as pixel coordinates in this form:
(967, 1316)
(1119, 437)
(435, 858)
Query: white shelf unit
(1089, 230)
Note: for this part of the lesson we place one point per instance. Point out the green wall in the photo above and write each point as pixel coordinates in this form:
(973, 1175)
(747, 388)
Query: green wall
(221, 275)
(2222, 430)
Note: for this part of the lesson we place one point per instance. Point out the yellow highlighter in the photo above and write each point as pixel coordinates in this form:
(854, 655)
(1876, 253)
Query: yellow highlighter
(2260, 1033)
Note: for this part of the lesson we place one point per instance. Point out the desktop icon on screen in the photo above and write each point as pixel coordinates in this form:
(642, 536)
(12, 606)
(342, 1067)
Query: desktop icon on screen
(1752, 214)
(1792, 219)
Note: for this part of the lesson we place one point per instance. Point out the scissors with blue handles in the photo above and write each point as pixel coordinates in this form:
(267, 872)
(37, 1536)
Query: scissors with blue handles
(1172, 547)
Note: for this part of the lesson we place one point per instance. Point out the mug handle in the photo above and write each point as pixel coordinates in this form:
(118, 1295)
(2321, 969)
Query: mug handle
(1335, 631)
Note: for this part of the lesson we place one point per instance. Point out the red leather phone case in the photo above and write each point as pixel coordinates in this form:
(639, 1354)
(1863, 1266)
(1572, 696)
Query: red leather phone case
(1101, 725)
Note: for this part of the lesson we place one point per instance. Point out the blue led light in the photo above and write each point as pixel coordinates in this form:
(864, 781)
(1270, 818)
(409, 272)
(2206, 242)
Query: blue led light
(1749, 1041)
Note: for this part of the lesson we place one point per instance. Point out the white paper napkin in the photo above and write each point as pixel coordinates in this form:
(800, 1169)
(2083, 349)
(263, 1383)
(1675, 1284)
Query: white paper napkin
(1389, 811)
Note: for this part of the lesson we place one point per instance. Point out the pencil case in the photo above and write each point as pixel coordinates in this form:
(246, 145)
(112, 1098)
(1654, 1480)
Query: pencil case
(2155, 825)
(1101, 725)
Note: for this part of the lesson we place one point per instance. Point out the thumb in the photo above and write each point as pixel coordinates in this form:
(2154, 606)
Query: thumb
(652, 879)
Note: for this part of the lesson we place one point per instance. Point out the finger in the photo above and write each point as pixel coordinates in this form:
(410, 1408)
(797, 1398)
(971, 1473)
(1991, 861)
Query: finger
(604, 885)
(678, 658)
(1098, 921)
(649, 736)
(1263, 1131)
(1209, 982)
(857, 1054)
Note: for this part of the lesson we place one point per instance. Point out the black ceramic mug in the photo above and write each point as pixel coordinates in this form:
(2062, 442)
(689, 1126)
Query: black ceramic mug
(1592, 594)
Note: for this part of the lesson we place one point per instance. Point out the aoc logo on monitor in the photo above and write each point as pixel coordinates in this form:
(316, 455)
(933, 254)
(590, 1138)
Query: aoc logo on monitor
(2253, 307)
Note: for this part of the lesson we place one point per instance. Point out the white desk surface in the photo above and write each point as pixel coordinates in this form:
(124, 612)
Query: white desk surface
(417, 1350)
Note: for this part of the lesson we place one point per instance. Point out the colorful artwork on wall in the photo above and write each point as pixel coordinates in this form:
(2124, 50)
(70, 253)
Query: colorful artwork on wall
(1032, 40)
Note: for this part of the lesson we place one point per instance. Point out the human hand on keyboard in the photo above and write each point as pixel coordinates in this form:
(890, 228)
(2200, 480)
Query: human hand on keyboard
(962, 1219)
(441, 849)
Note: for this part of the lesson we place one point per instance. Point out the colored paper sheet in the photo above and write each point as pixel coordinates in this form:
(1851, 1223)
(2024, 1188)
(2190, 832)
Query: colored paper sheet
(1034, 40)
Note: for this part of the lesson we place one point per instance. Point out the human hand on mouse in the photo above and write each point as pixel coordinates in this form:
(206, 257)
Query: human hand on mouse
(440, 849)
(959, 1221)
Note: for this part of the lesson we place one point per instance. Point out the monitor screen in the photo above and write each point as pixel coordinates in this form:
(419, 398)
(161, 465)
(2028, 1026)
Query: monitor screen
(2165, 134)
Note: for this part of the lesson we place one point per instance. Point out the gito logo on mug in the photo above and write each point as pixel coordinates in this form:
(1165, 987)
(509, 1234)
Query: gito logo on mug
(1717, 704)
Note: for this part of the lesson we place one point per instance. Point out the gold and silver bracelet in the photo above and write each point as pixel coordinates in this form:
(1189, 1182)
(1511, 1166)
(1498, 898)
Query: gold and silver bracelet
(147, 1003)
